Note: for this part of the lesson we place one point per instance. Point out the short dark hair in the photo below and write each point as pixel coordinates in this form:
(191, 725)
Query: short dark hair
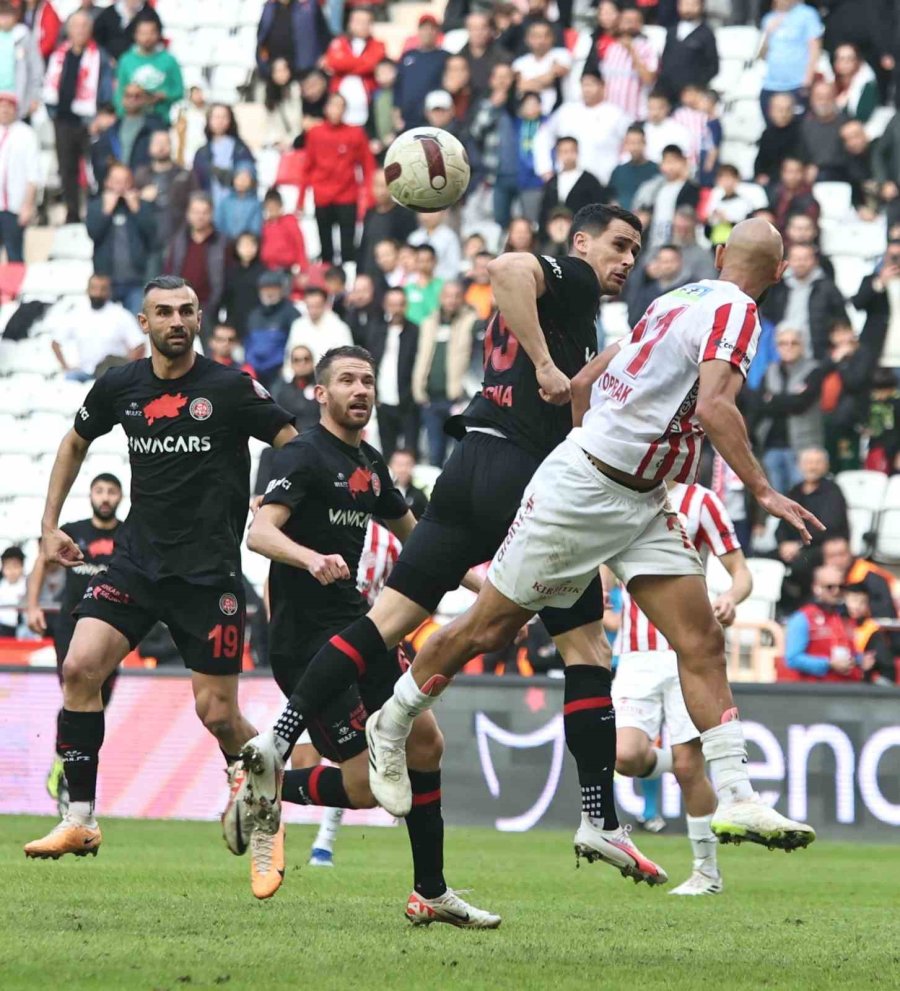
(593, 74)
(165, 282)
(14, 553)
(224, 326)
(315, 291)
(424, 247)
(335, 354)
(273, 196)
(108, 477)
(335, 271)
(674, 150)
(726, 169)
(637, 129)
(566, 137)
(659, 94)
(669, 247)
(540, 22)
(407, 451)
(596, 217)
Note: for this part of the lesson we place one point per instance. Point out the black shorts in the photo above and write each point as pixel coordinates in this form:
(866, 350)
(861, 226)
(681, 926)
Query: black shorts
(339, 731)
(206, 621)
(472, 506)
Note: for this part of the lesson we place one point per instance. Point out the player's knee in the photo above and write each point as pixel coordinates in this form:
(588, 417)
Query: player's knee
(631, 760)
(687, 765)
(81, 675)
(698, 649)
(217, 713)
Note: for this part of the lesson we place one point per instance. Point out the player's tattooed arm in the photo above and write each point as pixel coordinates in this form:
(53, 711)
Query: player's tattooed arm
(717, 413)
(267, 538)
(55, 544)
(585, 379)
(518, 282)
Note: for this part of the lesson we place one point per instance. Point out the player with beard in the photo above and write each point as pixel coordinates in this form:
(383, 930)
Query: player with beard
(326, 487)
(177, 556)
(95, 537)
(543, 334)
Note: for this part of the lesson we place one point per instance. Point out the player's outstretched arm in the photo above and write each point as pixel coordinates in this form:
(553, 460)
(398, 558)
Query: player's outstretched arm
(266, 537)
(56, 545)
(717, 412)
(518, 282)
(584, 382)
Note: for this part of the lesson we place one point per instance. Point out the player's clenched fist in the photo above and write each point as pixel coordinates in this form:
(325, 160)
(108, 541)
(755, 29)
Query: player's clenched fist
(60, 547)
(554, 386)
(328, 568)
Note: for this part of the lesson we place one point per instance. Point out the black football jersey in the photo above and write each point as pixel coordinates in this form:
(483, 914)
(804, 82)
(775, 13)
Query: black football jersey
(510, 400)
(190, 464)
(97, 546)
(332, 490)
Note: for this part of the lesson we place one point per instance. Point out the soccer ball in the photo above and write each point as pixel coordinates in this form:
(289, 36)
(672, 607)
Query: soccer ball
(426, 169)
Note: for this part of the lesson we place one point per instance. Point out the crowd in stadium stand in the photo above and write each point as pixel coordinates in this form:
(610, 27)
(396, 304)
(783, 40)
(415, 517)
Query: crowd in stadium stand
(559, 103)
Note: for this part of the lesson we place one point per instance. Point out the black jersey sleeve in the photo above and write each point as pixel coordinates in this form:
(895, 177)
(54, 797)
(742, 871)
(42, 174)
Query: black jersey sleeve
(391, 504)
(293, 474)
(96, 416)
(256, 412)
(571, 281)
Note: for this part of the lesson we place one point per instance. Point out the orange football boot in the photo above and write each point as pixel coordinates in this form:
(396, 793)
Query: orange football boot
(66, 837)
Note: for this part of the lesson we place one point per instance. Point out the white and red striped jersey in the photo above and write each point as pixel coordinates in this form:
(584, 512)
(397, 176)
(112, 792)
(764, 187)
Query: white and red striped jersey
(642, 418)
(709, 528)
(696, 122)
(377, 560)
(623, 84)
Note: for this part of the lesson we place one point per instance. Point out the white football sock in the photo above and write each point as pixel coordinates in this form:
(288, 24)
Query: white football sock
(402, 707)
(328, 829)
(726, 753)
(703, 843)
(663, 763)
(82, 813)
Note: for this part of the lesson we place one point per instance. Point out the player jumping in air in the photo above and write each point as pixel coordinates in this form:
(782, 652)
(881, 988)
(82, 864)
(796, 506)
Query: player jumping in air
(600, 498)
(326, 485)
(177, 556)
(543, 334)
(95, 538)
(647, 692)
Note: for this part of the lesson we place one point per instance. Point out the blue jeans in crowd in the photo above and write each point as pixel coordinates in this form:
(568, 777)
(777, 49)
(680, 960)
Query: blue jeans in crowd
(129, 294)
(12, 236)
(434, 416)
(77, 375)
(780, 464)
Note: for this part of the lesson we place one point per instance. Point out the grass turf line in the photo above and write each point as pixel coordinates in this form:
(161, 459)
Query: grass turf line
(165, 906)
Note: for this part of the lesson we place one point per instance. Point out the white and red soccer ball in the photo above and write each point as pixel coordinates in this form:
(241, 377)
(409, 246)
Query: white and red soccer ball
(427, 169)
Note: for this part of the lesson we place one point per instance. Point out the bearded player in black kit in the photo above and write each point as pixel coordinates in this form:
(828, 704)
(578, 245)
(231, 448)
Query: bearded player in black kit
(326, 485)
(177, 556)
(543, 335)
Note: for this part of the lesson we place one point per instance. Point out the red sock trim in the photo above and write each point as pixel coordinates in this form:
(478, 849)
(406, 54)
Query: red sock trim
(435, 685)
(427, 797)
(729, 716)
(350, 651)
(598, 702)
(314, 784)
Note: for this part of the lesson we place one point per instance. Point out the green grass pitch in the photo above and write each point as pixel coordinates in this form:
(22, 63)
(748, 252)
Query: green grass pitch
(165, 906)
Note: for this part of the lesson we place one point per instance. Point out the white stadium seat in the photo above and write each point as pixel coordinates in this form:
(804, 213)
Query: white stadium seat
(71, 241)
(834, 198)
(862, 522)
(656, 35)
(64, 277)
(863, 489)
(767, 578)
(849, 271)
(456, 39)
(738, 42)
(887, 541)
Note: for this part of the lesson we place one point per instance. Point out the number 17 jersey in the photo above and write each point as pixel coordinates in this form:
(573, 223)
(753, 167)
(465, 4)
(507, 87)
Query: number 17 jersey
(642, 418)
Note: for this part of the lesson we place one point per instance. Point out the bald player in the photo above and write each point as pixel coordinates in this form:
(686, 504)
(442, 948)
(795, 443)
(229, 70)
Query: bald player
(640, 410)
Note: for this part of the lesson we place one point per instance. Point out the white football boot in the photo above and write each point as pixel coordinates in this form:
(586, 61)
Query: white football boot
(388, 776)
(449, 908)
(615, 847)
(752, 821)
(264, 770)
(700, 883)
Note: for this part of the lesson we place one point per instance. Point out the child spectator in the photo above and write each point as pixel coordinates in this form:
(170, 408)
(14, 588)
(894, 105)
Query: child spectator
(241, 291)
(726, 206)
(282, 244)
(239, 211)
(268, 327)
(12, 589)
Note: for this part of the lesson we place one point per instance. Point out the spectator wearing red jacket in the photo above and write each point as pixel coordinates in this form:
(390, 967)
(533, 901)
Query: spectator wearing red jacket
(339, 168)
(42, 20)
(282, 245)
(351, 59)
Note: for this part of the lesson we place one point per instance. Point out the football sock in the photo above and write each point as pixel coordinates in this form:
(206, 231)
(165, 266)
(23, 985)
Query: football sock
(328, 829)
(663, 763)
(726, 753)
(703, 843)
(335, 667)
(79, 741)
(650, 789)
(425, 825)
(590, 727)
(407, 702)
(319, 785)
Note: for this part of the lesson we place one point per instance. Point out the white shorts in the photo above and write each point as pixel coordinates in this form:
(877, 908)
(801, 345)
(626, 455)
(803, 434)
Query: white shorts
(573, 519)
(646, 694)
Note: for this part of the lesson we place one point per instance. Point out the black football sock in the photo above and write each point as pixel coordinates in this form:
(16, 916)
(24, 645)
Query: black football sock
(590, 726)
(318, 785)
(425, 825)
(337, 665)
(79, 741)
(59, 716)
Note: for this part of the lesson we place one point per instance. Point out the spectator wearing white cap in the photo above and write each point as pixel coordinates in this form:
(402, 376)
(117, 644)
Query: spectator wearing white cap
(20, 176)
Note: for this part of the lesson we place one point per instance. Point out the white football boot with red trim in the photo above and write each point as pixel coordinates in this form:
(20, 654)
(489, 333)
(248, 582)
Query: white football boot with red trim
(449, 908)
(615, 847)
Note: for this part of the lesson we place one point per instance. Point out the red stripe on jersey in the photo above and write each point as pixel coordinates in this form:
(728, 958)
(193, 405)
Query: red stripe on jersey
(719, 324)
(647, 458)
(634, 615)
(373, 550)
(745, 335)
(669, 459)
(579, 705)
(350, 651)
(687, 469)
(651, 636)
(641, 325)
(725, 532)
(686, 501)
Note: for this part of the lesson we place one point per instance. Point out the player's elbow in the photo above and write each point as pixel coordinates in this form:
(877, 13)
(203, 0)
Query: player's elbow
(707, 411)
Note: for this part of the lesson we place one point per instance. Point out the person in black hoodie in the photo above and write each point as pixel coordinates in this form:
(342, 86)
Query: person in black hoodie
(114, 26)
(241, 287)
(781, 139)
